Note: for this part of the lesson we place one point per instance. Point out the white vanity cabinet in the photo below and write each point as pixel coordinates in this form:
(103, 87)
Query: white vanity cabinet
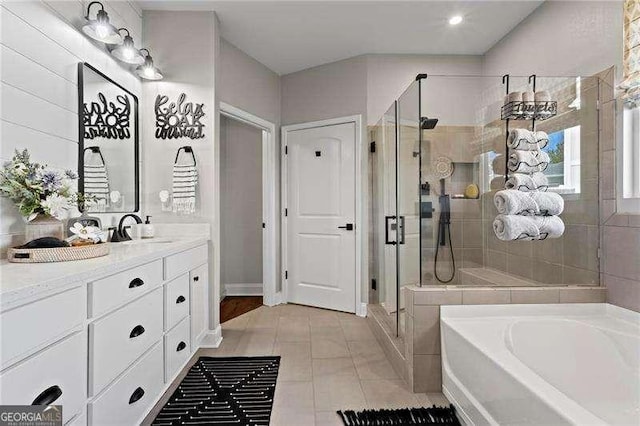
(108, 346)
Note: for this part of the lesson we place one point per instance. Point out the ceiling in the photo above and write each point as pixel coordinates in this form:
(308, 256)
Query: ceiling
(289, 36)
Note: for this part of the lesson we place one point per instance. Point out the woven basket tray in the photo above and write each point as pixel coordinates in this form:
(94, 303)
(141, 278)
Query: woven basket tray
(58, 254)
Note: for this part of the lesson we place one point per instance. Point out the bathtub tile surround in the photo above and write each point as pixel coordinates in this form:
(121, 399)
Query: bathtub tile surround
(497, 368)
(417, 357)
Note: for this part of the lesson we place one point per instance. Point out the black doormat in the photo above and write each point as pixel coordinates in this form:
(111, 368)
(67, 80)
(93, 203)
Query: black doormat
(224, 391)
(406, 416)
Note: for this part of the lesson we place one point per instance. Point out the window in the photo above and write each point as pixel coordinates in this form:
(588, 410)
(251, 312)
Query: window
(631, 152)
(563, 171)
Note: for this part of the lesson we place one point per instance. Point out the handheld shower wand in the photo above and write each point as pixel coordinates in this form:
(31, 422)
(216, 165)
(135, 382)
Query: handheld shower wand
(444, 228)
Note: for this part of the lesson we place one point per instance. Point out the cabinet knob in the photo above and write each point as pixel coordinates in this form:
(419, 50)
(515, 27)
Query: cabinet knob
(136, 282)
(48, 396)
(196, 278)
(137, 331)
(181, 346)
(136, 395)
(180, 299)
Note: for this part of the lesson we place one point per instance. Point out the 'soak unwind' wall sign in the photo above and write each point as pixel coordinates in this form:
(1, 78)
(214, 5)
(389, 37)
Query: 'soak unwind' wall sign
(178, 119)
(107, 119)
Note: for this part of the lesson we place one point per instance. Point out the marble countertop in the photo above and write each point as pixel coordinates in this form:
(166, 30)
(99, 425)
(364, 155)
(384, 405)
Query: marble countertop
(21, 283)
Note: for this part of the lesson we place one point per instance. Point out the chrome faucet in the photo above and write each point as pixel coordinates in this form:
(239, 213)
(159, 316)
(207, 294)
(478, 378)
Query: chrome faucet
(120, 233)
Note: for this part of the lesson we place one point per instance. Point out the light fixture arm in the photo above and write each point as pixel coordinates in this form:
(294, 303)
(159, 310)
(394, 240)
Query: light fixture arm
(124, 29)
(91, 4)
(146, 50)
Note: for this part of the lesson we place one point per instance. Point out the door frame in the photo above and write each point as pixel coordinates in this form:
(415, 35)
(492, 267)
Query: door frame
(269, 197)
(360, 307)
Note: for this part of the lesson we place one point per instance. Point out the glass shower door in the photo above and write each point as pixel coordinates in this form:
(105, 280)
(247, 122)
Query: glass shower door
(407, 195)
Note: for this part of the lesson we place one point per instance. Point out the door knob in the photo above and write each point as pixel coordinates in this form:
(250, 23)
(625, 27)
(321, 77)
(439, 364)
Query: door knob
(348, 227)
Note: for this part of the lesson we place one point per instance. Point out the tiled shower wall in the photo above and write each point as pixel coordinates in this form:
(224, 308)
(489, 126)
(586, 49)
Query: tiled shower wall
(573, 258)
(620, 264)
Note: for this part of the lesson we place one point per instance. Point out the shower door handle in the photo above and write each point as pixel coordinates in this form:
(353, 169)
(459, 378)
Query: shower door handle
(401, 231)
(389, 226)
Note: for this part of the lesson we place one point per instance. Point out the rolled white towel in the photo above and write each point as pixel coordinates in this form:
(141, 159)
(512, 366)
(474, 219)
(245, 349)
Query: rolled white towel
(549, 226)
(549, 203)
(542, 139)
(511, 201)
(513, 227)
(522, 139)
(524, 182)
(528, 161)
(497, 183)
(518, 227)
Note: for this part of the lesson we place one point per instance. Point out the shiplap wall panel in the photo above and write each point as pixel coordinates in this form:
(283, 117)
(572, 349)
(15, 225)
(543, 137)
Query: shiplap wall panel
(19, 71)
(22, 108)
(41, 45)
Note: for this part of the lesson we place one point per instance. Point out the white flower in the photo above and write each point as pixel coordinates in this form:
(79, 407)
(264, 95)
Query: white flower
(56, 205)
(86, 232)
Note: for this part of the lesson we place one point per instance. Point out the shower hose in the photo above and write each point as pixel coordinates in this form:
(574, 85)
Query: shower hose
(441, 229)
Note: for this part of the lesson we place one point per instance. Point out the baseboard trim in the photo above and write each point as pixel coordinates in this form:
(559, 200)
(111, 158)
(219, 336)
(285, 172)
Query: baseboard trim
(212, 338)
(276, 299)
(243, 289)
(361, 310)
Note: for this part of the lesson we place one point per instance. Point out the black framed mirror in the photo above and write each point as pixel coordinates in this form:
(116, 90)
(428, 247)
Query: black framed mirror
(108, 155)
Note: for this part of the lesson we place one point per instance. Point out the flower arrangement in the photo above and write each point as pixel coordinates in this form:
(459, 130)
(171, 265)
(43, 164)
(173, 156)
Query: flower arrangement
(36, 189)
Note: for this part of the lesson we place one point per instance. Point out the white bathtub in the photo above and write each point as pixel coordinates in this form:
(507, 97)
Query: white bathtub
(573, 364)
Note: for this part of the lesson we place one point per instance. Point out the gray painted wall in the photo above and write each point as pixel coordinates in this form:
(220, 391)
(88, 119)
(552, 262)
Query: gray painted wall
(240, 203)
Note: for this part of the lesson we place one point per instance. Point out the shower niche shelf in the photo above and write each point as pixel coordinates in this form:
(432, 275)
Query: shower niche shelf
(537, 110)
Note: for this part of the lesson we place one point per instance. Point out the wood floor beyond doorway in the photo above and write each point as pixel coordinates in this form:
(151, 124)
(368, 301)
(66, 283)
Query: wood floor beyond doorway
(234, 306)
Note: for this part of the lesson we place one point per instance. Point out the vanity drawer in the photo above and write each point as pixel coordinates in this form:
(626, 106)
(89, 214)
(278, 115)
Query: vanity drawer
(57, 375)
(184, 261)
(116, 340)
(177, 349)
(176, 301)
(31, 326)
(131, 396)
(117, 289)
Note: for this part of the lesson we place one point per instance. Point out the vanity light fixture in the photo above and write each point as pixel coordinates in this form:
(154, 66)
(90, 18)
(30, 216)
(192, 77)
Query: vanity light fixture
(455, 20)
(101, 29)
(148, 71)
(127, 52)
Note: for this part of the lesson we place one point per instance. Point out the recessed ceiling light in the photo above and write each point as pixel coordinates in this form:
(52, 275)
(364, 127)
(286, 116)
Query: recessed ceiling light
(455, 20)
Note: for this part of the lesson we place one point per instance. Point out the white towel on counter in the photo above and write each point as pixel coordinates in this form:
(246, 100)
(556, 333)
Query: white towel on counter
(528, 161)
(511, 201)
(524, 182)
(517, 227)
(549, 203)
(185, 179)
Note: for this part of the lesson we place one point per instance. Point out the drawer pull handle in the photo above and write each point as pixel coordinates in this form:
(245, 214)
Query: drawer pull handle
(181, 346)
(180, 299)
(136, 395)
(136, 282)
(196, 278)
(48, 396)
(137, 331)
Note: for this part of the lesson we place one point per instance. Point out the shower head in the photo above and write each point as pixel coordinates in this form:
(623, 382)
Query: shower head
(428, 123)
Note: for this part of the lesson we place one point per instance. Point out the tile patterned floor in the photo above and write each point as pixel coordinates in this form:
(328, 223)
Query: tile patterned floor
(330, 361)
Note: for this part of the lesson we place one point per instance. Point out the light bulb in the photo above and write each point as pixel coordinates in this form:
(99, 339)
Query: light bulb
(127, 53)
(102, 31)
(455, 20)
(148, 71)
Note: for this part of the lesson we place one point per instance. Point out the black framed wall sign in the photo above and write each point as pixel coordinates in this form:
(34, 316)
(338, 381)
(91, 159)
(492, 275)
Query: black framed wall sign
(108, 154)
(179, 119)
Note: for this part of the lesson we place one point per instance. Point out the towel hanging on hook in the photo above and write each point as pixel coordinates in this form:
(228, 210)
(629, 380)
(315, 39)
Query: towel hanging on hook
(185, 179)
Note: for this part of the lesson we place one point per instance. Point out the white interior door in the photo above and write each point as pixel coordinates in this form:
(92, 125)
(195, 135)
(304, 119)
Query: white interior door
(321, 192)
